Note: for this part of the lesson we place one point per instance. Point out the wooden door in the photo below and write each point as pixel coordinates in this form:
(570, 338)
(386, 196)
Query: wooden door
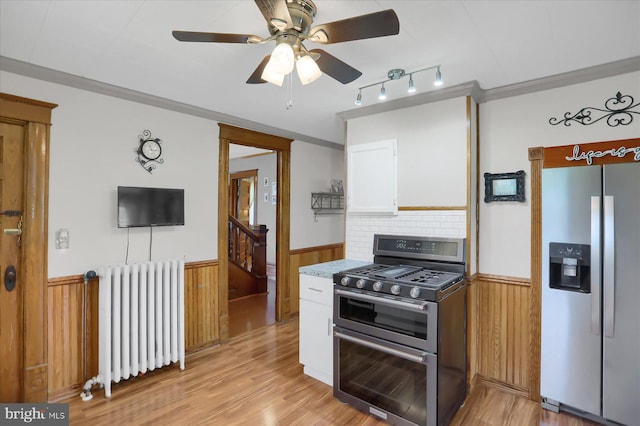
(245, 188)
(24, 168)
(12, 137)
(243, 196)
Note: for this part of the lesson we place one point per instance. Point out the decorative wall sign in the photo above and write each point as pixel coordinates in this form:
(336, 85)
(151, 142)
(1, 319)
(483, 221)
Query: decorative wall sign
(593, 154)
(149, 151)
(504, 186)
(618, 111)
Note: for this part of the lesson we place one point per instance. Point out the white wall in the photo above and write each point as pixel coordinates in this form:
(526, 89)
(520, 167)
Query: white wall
(93, 139)
(508, 127)
(312, 167)
(266, 166)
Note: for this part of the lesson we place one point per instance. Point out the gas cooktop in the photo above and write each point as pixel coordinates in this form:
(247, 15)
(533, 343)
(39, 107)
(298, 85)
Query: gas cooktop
(408, 281)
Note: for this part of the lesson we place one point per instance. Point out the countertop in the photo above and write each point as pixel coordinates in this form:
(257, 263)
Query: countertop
(327, 269)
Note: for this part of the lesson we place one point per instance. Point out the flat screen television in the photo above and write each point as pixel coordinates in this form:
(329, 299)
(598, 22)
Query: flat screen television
(150, 207)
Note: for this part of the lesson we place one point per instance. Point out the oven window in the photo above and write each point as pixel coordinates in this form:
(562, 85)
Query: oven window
(384, 381)
(402, 321)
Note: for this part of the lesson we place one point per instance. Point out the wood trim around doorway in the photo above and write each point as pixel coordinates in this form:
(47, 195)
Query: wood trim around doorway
(536, 157)
(282, 146)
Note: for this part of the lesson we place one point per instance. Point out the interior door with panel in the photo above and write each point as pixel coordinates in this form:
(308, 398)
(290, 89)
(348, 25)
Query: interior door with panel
(11, 290)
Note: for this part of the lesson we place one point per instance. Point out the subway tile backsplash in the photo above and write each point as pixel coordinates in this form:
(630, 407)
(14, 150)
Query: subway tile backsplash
(430, 223)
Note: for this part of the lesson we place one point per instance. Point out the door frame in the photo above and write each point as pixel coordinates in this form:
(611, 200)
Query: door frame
(35, 116)
(282, 146)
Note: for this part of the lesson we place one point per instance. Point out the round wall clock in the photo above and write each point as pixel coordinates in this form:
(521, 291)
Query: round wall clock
(149, 151)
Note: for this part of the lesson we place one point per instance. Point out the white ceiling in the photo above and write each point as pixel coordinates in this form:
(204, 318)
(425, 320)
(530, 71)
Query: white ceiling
(496, 43)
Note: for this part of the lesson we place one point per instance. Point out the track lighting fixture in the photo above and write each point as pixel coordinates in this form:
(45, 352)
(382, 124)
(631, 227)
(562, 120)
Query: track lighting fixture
(397, 74)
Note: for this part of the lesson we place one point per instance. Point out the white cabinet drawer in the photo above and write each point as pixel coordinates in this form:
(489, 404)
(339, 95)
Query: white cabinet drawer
(316, 289)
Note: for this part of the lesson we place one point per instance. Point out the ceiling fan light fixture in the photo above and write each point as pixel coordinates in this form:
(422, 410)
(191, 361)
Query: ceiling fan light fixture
(438, 80)
(282, 58)
(308, 70)
(271, 75)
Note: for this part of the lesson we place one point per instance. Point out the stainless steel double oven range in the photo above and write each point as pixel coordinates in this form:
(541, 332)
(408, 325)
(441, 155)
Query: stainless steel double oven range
(400, 331)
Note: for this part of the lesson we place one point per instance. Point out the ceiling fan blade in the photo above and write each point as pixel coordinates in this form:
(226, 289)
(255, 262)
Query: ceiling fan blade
(256, 77)
(276, 13)
(335, 68)
(378, 24)
(212, 37)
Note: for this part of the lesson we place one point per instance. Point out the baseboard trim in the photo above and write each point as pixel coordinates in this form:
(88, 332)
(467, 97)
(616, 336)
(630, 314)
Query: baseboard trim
(480, 380)
(62, 394)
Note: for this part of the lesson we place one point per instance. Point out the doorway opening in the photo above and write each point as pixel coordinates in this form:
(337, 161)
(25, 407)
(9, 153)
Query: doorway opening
(252, 216)
(282, 148)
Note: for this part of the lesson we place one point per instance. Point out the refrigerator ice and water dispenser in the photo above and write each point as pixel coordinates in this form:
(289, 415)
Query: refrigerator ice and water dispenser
(569, 267)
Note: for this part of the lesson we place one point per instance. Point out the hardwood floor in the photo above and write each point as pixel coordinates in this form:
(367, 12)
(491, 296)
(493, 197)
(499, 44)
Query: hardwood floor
(253, 312)
(255, 379)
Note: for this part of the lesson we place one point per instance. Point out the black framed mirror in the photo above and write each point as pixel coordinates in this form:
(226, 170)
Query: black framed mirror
(504, 186)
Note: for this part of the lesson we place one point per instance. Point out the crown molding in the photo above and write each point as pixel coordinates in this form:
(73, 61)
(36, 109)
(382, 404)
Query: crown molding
(53, 76)
(584, 75)
(471, 89)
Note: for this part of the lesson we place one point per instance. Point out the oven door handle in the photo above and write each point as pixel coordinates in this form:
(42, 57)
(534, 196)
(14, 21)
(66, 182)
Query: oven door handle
(382, 301)
(378, 347)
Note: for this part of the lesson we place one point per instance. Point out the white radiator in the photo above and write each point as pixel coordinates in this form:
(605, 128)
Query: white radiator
(141, 319)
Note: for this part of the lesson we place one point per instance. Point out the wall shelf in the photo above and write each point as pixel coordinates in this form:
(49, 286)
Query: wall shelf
(327, 202)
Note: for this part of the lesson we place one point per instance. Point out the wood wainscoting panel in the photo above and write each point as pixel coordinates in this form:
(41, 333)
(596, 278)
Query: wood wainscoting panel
(500, 322)
(309, 256)
(201, 304)
(66, 368)
(65, 346)
(472, 328)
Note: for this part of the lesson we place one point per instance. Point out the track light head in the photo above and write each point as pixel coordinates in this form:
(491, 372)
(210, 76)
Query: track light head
(412, 88)
(438, 80)
(383, 93)
(359, 98)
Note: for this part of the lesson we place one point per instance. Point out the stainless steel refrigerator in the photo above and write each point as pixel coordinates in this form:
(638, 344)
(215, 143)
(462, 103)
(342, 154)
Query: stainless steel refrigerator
(590, 359)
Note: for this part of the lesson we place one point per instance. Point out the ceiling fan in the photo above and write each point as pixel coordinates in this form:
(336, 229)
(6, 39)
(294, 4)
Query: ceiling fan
(290, 24)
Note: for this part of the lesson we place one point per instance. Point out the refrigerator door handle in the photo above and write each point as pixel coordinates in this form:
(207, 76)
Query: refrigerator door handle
(608, 271)
(595, 265)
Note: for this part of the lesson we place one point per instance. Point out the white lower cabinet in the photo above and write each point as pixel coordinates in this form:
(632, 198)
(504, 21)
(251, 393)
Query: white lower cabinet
(316, 323)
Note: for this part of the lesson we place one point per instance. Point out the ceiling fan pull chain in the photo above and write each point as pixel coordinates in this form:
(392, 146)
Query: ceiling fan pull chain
(290, 90)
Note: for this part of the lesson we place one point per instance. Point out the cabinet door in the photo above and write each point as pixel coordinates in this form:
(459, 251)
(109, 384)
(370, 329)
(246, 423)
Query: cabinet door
(316, 342)
(372, 178)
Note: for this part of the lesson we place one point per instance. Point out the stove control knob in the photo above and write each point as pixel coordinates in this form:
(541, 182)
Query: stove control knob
(395, 289)
(377, 286)
(360, 283)
(415, 292)
(344, 281)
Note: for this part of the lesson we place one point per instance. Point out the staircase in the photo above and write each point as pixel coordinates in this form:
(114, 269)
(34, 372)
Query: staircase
(247, 259)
